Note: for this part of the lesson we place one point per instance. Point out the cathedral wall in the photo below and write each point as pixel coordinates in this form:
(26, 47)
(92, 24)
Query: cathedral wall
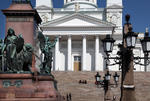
(82, 5)
(90, 60)
(63, 61)
(90, 12)
(46, 15)
(97, 15)
(63, 55)
(105, 14)
(90, 55)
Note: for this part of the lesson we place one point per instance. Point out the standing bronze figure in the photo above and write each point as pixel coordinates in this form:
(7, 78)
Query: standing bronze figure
(46, 49)
(10, 48)
(16, 54)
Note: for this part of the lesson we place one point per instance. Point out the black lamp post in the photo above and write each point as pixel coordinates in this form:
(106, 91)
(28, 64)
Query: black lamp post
(108, 44)
(146, 47)
(126, 58)
(130, 38)
(116, 77)
(106, 84)
(98, 79)
(107, 76)
(146, 42)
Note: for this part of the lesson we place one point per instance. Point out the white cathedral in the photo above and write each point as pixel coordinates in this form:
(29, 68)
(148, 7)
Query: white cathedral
(81, 26)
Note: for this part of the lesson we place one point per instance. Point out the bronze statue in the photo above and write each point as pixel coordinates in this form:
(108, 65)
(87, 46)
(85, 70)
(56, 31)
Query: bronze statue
(46, 48)
(10, 48)
(18, 55)
(24, 58)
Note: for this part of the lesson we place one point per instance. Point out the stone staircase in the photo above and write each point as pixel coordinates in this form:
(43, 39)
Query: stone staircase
(68, 82)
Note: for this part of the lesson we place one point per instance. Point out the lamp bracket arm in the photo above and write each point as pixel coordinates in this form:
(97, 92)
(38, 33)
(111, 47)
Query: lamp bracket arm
(116, 59)
(137, 58)
(138, 63)
(114, 63)
(108, 58)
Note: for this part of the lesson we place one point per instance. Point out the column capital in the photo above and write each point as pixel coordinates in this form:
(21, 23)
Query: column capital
(84, 36)
(97, 35)
(58, 36)
(69, 36)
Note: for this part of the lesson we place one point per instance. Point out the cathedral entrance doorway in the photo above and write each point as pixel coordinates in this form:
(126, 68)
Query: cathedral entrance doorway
(77, 63)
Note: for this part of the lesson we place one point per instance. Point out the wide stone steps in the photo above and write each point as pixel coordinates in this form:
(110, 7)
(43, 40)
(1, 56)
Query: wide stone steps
(68, 82)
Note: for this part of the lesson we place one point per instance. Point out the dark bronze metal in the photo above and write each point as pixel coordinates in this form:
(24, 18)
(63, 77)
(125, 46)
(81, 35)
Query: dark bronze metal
(15, 56)
(46, 49)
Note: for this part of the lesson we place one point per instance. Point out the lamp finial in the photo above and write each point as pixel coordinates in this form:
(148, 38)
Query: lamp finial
(127, 18)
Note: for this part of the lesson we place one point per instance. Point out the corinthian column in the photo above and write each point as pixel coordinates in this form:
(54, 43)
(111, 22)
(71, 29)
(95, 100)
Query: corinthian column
(69, 54)
(84, 53)
(56, 59)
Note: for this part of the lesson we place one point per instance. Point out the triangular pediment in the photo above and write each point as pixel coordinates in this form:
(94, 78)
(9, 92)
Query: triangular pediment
(77, 20)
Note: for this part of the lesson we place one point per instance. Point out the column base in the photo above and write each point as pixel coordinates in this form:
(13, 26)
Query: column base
(128, 93)
(128, 86)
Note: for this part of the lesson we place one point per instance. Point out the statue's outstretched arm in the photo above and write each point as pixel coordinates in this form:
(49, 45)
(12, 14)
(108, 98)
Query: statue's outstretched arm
(53, 44)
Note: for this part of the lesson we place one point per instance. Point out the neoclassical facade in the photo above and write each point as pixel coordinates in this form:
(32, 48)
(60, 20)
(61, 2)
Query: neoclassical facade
(81, 26)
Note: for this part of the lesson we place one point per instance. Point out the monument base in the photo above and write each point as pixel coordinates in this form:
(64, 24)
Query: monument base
(28, 87)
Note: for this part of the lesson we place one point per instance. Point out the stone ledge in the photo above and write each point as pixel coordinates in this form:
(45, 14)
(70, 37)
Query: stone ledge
(16, 76)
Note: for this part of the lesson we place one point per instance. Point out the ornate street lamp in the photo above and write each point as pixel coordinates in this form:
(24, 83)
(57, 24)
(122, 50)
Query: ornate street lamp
(125, 58)
(116, 77)
(146, 42)
(106, 84)
(97, 77)
(131, 38)
(108, 44)
(107, 76)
